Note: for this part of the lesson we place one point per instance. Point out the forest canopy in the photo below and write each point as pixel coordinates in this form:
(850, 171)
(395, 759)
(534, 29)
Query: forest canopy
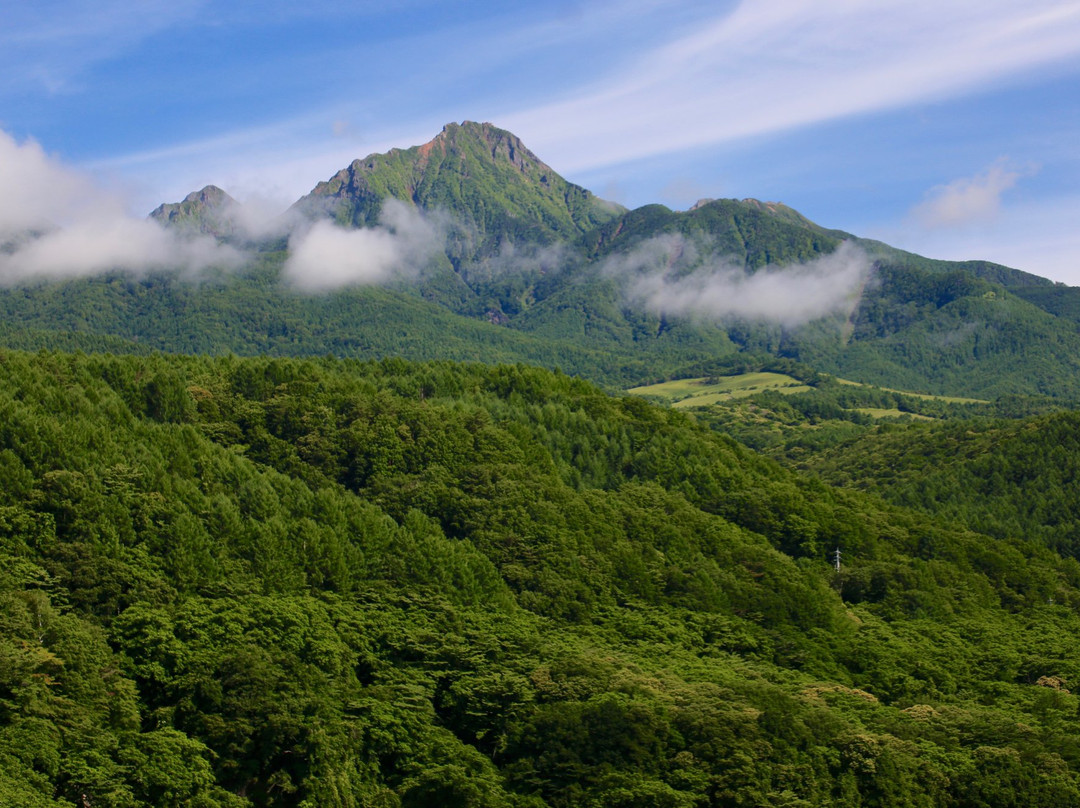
(282, 582)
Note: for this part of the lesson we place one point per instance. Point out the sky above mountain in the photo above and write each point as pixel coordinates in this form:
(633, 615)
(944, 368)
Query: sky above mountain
(951, 129)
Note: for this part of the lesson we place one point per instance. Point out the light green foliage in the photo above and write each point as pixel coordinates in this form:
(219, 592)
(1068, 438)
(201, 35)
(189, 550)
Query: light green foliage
(701, 392)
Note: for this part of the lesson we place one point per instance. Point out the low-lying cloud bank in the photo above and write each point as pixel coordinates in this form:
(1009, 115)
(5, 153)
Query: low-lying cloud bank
(529, 259)
(665, 275)
(110, 243)
(325, 257)
(55, 223)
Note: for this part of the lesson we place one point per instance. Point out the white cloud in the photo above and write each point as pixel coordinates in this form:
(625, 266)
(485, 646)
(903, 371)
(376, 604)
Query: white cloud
(35, 189)
(108, 243)
(656, 277)
(259, 216)
(968, 200)
(514, 260)
(57, 223)
(326, 257)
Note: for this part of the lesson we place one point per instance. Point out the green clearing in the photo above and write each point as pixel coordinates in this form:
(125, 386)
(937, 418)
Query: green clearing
(706, 390)
(891, 412)
(923, 396)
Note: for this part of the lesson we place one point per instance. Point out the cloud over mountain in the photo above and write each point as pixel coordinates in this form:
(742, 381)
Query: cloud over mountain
(56, 223)
(325, 257)
(667, 275)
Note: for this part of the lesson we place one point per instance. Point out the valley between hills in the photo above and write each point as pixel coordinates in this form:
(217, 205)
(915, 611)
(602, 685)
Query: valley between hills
(361, 513)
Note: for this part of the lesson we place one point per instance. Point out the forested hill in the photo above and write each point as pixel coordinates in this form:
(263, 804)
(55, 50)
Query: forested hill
(1003, 478)
(279, 582)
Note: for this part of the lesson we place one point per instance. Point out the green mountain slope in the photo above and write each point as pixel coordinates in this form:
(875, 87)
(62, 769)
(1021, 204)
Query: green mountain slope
(535, 269)
(494, 189)
(256, 582)
(948, 333)
(253, 312)
(1059, 300)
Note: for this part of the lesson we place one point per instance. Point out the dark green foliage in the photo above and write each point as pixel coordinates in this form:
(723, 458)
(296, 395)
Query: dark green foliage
(1027, 469)
(231, 582)
(757, 234)
(252, 313)
(1059, 300)
(950, 333)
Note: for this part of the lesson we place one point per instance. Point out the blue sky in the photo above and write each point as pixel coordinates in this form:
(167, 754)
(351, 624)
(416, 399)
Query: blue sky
(951, 129)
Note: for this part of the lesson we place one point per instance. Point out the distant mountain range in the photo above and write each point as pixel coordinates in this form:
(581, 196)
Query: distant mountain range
(515, 263)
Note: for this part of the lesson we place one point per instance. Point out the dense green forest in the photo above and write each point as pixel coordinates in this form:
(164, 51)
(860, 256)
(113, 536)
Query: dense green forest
(1002, 478)
(251, 312)
(406, 544)
(284, 582)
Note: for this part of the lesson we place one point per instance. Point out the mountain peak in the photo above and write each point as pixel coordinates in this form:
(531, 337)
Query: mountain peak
(502, 144)
(460, 139)
(210, 195)
(495, 188)
(207, 210)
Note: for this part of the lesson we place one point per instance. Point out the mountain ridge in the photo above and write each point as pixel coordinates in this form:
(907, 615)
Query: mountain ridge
(540, 257)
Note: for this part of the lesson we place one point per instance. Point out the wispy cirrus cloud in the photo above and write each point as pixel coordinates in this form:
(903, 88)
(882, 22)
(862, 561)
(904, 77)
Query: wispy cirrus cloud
(707, 75)
(773, 65)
